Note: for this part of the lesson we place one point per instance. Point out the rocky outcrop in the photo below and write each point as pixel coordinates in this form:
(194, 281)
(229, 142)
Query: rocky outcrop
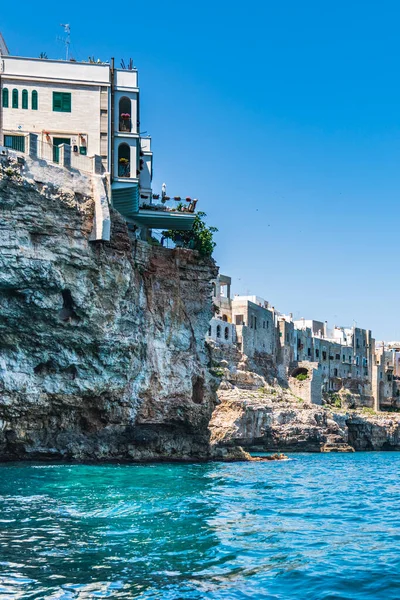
(102, 352)
(268, 424)
(257, 412)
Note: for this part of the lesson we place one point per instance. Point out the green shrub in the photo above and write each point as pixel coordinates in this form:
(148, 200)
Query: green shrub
(301, 377)
(200, 237)
(217, 372)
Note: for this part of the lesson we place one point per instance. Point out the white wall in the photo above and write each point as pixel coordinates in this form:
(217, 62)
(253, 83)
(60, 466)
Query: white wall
(84, 116)
(55, 69)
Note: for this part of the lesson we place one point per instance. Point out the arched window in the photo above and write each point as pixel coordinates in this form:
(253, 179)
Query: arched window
(225, 318)
(226, 333)
(218, 331)
(15, 98)
(34, 100)
(5, 98)
(125, 116)
(124, 160)
(25, 99)
(209, 331)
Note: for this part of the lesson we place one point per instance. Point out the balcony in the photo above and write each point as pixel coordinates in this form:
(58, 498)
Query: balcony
(125, 124)
(155, 218)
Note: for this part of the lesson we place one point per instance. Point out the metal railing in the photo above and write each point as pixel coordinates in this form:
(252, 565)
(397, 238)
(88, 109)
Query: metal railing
(58, 154)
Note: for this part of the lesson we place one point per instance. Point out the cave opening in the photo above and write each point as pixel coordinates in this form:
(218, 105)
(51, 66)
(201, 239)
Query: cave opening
(198, 390)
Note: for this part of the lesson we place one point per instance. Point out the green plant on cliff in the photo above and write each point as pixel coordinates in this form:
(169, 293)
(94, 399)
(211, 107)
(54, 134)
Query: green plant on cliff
(301, 376)
(217, 372)
(200, 237)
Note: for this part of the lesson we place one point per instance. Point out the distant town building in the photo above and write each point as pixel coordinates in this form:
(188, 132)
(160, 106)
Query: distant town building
(341, 359)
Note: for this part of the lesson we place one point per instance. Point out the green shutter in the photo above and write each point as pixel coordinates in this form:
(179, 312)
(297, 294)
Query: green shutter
(34, 100)
(57, 102)
(61, 101)
(15, 98)
(66, 102)
(24, 99)
(15, 142)
(5, 98)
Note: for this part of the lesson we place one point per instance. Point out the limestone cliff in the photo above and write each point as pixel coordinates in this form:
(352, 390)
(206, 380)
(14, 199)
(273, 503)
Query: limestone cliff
(102, 352)
(256, 411)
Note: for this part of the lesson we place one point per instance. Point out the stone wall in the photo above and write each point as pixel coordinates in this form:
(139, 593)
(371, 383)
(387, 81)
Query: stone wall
(308, 389)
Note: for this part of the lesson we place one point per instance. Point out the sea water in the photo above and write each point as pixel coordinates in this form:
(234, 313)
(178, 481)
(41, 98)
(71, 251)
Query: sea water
(316, 526)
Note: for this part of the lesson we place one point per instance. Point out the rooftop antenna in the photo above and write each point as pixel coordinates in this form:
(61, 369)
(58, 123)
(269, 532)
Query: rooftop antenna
(67, 39)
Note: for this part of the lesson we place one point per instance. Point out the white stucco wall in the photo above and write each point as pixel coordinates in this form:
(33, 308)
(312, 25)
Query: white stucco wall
(84, 117)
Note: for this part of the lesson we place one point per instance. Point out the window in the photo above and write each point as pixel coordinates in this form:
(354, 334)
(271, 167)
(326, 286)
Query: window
(317, 353)
(83, 150)
(61, 101)
(239, 319)
(344, 358)
(323, 354)
(267, 324)
(251, 321)
(335, 372)
(218, 331)
(209, 331)
(263, 324)
(357, 360)
(226, 333)
(337, 357)
(287, 338)
(255, 322)
(34, 100)
(25, 99)
(349, 359)
(5, 98)
(309, 351)
(15, 98)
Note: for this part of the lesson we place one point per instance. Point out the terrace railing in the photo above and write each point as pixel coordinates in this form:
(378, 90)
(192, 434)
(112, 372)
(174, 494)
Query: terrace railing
(58, 154)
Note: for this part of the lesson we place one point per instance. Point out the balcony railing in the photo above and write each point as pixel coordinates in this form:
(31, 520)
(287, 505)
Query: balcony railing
(125, 125)
(124, 170)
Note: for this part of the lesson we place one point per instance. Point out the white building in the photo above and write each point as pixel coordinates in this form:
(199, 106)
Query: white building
(93, 109)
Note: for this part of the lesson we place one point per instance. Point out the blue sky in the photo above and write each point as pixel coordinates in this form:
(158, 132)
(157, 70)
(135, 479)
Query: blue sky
(283, 118)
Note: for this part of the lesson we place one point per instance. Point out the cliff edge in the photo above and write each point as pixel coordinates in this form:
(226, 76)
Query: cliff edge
(102, 352)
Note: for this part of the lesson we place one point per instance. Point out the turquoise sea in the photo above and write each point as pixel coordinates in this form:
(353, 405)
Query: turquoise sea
(317, 526)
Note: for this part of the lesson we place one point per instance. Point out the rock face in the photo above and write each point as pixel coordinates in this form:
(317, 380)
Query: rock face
(102, 352)
(257, 412)
(266, 423)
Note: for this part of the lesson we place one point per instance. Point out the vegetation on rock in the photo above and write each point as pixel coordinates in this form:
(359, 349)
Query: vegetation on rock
(200, 237)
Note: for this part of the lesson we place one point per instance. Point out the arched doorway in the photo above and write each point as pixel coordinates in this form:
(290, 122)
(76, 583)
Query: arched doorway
(125, 116)
(124, 160)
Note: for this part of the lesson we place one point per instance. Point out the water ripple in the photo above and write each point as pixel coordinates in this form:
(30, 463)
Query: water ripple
(323, 527)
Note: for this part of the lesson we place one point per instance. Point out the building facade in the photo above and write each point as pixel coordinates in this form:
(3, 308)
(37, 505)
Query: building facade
(92, 109)
(341, 359)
